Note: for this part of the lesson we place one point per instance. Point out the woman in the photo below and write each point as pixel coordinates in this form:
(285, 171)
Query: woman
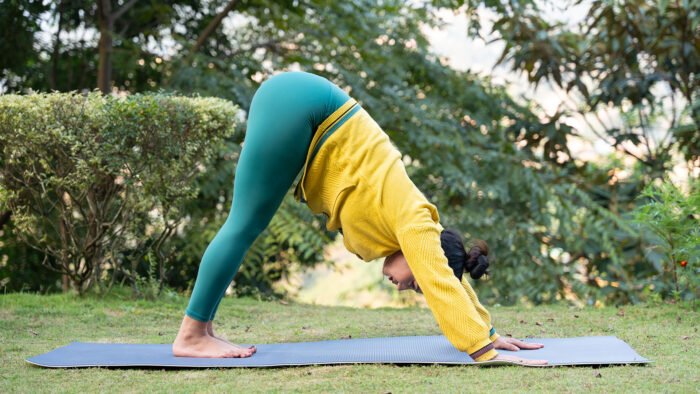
(354, 175)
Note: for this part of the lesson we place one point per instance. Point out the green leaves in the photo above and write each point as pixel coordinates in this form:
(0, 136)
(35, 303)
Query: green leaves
(673, 217)
(91, 176)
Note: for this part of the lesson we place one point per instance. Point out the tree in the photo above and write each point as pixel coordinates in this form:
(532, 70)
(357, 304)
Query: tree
(636, 59)
(496, 169)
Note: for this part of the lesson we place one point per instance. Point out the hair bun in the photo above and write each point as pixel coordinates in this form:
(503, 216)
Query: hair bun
(460, 260)
(481, 267)
(477, 261)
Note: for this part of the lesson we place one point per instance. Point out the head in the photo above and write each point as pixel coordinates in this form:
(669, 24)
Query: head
(474, 260)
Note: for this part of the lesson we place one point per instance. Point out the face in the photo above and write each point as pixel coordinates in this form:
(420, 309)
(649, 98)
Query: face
(396, 269)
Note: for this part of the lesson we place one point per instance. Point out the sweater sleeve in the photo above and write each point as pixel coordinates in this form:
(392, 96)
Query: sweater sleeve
(485, 316)
(450, 303)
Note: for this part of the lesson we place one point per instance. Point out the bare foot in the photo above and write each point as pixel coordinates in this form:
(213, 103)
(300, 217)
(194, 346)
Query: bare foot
(193, 341)
(210, 331)
(519, 361)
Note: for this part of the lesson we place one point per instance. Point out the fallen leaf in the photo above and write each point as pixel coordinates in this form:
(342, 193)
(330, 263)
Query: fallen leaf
(685, 337)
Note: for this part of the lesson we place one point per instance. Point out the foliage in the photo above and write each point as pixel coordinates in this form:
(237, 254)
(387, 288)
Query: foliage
(673, 218)
(635, 58)
(88, 177)
(497, 166)
(21, 267)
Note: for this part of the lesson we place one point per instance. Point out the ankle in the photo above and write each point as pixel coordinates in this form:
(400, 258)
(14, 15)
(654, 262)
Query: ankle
(192, 328)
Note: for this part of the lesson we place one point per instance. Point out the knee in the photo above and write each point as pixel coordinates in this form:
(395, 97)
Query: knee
(245, 231)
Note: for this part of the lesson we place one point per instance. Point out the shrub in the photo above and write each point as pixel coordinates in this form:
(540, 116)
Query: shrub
(671, 220)
(89, 177)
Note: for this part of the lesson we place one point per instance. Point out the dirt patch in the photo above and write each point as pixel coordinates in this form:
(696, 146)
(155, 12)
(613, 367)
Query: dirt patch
(113, 313)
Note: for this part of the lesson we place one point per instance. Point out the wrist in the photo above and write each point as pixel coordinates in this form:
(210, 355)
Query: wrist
(493, 336)
(485, 353)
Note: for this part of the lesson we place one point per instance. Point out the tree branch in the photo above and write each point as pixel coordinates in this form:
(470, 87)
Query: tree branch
(265, 44)
(118, 13)
(211, 27)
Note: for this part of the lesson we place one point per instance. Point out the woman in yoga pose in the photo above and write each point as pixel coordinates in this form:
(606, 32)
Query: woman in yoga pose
(354, 175)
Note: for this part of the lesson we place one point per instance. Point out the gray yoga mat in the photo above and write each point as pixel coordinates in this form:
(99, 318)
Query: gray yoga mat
(394, 350)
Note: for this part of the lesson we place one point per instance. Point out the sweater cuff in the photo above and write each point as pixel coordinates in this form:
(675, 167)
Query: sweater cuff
(493, 335)
(483, 351)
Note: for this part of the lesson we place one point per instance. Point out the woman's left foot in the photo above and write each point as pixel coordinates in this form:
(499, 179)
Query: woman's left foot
(210, 331)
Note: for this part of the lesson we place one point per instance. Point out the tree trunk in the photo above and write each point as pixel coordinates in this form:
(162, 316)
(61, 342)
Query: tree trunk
(56, 49)
(106, 24)
(4, 218)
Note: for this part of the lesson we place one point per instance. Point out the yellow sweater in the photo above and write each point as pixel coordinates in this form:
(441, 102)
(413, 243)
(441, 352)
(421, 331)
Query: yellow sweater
(357, 179)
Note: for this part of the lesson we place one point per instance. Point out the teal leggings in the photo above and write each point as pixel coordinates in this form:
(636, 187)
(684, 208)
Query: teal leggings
(285, 112)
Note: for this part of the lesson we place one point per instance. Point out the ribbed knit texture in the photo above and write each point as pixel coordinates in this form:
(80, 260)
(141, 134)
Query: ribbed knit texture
(358, 179)
(485, 316)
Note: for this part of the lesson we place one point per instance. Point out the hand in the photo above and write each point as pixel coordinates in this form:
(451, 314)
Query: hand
(515, 344)
(518, 360)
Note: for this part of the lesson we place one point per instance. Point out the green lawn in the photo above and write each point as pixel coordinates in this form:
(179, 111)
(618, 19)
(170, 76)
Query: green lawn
(33, 324)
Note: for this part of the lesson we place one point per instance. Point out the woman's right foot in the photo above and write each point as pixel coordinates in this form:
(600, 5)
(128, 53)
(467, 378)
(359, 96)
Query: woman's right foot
(193, 341)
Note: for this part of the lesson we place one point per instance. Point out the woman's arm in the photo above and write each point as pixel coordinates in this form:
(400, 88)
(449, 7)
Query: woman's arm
(452, 307)
(485, 316)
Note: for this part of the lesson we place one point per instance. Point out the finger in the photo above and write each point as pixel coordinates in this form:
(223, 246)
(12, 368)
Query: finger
(532, 346)
(537, 362)
(524, 361)
(519, 361)
(526, 345)
(503, 345)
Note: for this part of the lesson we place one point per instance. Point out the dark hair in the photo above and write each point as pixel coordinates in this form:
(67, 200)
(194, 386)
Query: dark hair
(474, 261)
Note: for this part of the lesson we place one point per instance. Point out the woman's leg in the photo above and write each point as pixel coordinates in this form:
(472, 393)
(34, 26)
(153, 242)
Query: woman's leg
(283, 115)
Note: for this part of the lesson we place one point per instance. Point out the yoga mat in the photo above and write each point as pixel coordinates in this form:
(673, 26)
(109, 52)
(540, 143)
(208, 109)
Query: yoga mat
(395, 350)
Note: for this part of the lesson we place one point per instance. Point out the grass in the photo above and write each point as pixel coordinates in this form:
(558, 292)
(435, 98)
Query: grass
(33, 324)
